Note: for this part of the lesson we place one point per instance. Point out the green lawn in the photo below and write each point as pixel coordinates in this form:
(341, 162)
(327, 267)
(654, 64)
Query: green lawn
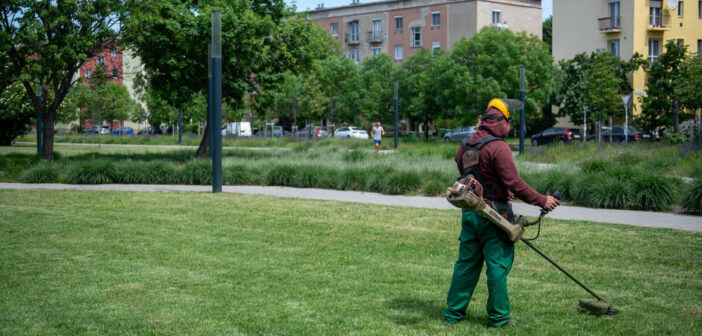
(96, 263)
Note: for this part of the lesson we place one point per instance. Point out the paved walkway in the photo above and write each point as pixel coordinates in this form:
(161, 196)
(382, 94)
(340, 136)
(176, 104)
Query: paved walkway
(628, 217)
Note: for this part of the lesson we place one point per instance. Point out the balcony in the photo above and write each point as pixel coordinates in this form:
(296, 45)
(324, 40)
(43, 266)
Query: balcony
(375, 37)
(610, 24)
(659, 22)
(353, 38)
(499, 25)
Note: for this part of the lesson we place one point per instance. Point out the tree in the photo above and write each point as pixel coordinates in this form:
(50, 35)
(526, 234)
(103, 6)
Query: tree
(689, 83)
(48, 41)
(417, 88)
(660, 106)
(601, 89)
(261, 40)
(546, 33)
(15, 112)
(377, 77)
(339, 80)
(493, 57)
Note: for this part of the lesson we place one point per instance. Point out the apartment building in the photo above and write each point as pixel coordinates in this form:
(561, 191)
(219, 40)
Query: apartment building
(624, 27)
(402, 27)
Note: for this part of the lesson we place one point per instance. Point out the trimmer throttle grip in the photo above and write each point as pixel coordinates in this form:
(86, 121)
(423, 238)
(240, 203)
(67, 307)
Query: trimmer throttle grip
(557, 195)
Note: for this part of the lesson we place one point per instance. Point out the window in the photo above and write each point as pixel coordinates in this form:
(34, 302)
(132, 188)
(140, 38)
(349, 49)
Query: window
(355, 35)
(416, 37)
(614, 47)
(654, 50)
(654, 18)
(335, 29)
(377, 30)
(354, 55)
(398, 23)
(113, 52)
(101, 60)
(496, 16)
(87, 73)
(398, 52)
(614, 13)
(114, 72)
(376, 50)
(435, 46)
(680, 42)
(435, 19)
(680, 8)
(699, 9)
(699, 47)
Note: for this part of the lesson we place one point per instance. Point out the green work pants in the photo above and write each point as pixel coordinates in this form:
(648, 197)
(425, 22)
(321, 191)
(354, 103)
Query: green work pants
(479, 242)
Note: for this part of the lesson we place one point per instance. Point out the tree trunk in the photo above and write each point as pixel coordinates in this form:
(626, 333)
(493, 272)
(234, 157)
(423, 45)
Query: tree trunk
(676, 115)
(610, 129)
(47, 150)
(204, 143)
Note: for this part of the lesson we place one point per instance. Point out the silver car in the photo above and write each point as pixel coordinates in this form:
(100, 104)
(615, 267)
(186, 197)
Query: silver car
(460, 133)
(312, 132)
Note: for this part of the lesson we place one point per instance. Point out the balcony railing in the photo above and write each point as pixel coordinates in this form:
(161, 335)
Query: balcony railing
(610, 24)
(353, 38)
(659, 22)
(375, 36)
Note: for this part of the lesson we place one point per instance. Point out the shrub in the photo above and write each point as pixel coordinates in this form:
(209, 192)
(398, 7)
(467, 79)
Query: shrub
(352, 178)
(628, 158)
(653, 192)
(595, 166)
(400, 182)
(42, 173)
(280, 175)
(375, 178)
(92, 172)
(692, 197)
(355, 155)
(239, 175)
(196, 172)
(433, 188)
(139, 172)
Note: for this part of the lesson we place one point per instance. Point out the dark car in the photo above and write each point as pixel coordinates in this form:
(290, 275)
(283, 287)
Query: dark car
(555, 134)
(460, 133)
(149, 131)
(123, 131)
(95, 129)
(618, 135)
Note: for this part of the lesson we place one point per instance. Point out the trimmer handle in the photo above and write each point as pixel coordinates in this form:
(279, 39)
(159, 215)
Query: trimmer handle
(557, 195)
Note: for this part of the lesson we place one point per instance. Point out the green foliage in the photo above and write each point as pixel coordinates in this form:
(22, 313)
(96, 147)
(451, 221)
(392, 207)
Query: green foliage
(48, 43)
(355, 155)
(92, 172)
(692, 198)
(688, 85)
(41, 173)
(139, 172)
(399, 182)
(658, 106)
(196, 172)
(434, 188)
(653, 192)
(673, 138)
(547, 32)
(15, 113)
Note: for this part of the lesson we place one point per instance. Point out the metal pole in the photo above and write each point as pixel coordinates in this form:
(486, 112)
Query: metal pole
(180, 126)
(522, 122)
(397, 122)
(585, 125)
(626, 123)
(40, 129)
(210, 131)
(217, 99)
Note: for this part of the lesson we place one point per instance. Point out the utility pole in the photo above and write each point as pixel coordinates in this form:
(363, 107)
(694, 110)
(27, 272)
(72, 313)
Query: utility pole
(180, 126)
(210, 131)
(585, 124)
(397, 123)
(217, 100)
(522, 123)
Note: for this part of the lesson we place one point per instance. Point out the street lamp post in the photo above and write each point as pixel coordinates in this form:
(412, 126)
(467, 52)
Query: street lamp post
(40, 129)
(217, 100)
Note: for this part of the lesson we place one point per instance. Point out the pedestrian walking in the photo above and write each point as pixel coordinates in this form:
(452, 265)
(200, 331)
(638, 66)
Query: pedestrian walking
(377, 131)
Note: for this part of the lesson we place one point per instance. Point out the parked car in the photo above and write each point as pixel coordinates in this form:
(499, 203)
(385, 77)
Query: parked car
(318, 132)
(277, 131)
(618, 135)
(460, 133)
(242, 128)
(149, 131)
(555, 134)
(123, 131)
(95, 129)
(351, 132)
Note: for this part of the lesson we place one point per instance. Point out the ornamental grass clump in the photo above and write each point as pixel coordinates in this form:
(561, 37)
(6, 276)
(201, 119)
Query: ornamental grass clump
(692, 197)
(400, 182)
(280, 175)
(653, 192)
(139, 172)
(239, 175)
(355, 155)
(196, 172)
(92, 172)
(433, 188)
(41, 173)
(353, 178)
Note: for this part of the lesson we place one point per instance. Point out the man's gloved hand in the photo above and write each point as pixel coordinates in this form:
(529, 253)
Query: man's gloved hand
(551, 203)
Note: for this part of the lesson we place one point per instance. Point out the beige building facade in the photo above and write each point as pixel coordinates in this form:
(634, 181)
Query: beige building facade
(403, 27)
(624, 27)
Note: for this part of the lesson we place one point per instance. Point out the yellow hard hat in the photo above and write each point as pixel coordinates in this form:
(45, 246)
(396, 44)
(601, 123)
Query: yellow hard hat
(500, 105)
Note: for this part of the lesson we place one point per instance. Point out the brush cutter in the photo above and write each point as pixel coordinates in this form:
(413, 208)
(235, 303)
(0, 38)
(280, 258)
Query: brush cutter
(467, 195)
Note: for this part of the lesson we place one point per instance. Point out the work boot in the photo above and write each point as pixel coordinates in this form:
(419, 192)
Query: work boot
(510, 323)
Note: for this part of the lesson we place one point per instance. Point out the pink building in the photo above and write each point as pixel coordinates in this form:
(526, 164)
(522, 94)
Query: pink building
(111, 58)
(402, 27)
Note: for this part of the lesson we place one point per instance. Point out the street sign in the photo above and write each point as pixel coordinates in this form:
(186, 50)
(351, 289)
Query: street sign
(626, 100)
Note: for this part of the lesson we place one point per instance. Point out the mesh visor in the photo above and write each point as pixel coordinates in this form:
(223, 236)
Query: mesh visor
(513, 104)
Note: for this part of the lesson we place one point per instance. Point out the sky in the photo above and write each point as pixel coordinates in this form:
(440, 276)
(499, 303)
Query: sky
(547, 5)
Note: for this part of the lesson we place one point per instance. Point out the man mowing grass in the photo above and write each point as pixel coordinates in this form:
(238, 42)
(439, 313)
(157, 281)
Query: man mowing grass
(480, 240)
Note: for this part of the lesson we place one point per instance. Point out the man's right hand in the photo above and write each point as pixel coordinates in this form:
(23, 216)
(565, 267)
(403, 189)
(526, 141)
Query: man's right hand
(551, 203)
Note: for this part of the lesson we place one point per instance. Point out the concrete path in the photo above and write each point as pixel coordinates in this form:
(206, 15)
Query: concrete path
(628, 217)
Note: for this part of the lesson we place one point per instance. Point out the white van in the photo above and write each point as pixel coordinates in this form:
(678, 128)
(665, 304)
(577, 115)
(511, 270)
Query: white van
(242, 128)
